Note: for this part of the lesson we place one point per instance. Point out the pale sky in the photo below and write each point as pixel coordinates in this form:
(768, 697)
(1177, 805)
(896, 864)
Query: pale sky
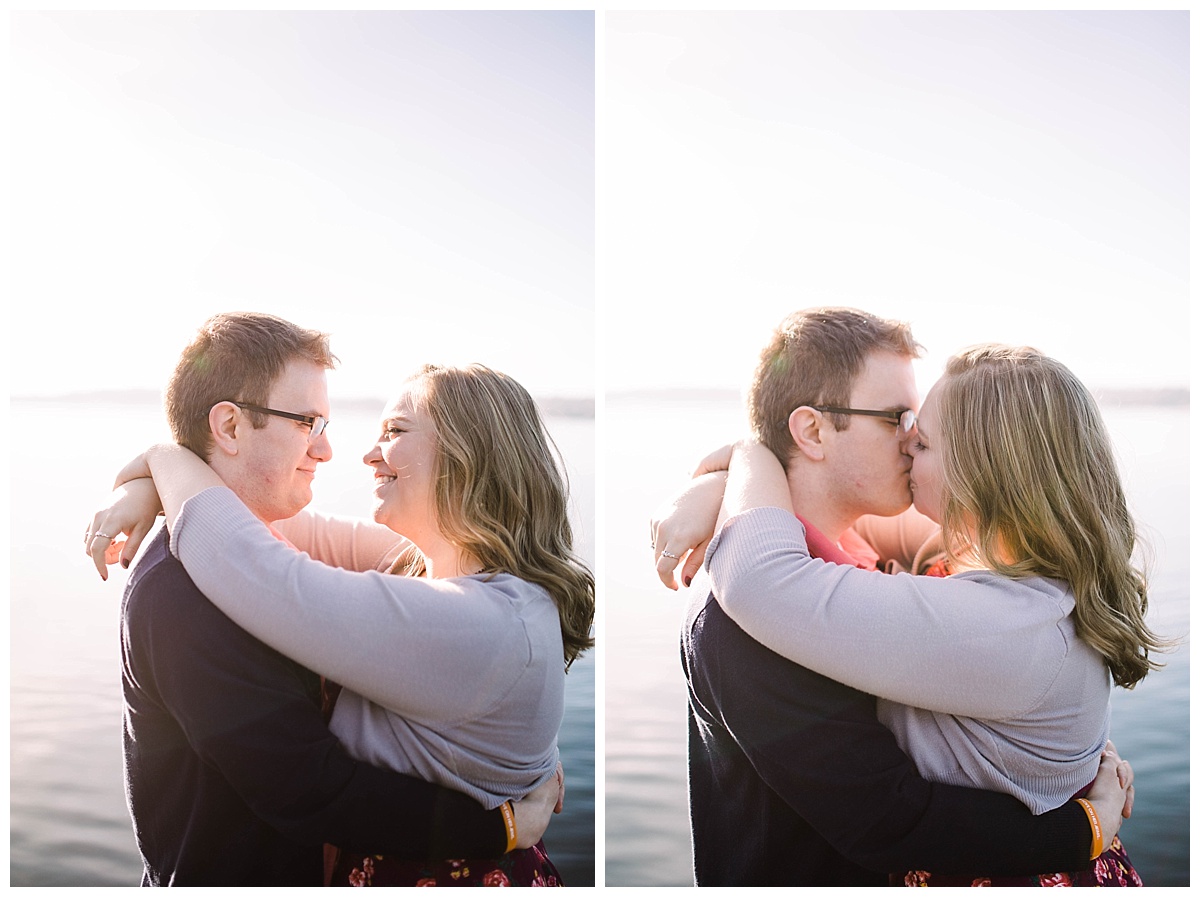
(421, 185)
(1009, 177)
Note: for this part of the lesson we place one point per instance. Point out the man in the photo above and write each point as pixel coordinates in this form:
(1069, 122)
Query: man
(231, 774)
(793, 780)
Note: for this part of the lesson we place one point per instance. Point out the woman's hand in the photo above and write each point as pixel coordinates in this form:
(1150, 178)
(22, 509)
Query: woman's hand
(1112, 793)
(132, 512)
(532, 812)
(681, 530)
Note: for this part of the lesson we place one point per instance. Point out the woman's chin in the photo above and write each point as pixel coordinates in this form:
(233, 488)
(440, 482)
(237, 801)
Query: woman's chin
(931, 513)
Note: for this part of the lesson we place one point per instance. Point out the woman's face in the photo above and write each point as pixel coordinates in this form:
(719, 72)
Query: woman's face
(404, 461)
(925, 445)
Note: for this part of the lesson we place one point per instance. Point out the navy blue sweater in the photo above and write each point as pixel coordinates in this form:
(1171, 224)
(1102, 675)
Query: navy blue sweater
(231, 774)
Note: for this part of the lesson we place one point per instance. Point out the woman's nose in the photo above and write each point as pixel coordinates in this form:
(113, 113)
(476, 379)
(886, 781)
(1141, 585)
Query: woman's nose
(373, 455)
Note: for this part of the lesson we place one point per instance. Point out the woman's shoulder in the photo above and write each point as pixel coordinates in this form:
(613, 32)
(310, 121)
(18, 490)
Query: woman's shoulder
(524, 599)
(1043, 589)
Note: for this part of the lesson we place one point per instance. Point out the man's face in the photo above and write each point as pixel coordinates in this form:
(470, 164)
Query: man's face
(274, 466)
(868, 467)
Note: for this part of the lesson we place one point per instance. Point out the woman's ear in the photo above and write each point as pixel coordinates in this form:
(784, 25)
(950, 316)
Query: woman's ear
(222, 423)
(804, 424)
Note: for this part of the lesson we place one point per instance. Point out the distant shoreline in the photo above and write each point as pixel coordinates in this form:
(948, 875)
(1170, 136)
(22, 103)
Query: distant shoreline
(551, 406)
(585, 407)
(1161, 397)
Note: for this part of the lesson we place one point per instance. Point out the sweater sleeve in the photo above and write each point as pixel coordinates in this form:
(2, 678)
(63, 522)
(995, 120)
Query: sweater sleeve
(395, 640)
(247, 711)
(348, 542)
(940, 644)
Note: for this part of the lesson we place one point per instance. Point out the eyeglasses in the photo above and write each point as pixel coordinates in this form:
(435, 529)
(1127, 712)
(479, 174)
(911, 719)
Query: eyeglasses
(904, 420)
(316, 425)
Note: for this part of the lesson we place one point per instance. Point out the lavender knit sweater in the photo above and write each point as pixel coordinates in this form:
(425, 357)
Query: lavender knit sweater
(981, 678)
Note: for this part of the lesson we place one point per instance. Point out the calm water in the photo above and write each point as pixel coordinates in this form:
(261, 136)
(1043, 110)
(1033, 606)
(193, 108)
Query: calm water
(68, 820)
(650, 445)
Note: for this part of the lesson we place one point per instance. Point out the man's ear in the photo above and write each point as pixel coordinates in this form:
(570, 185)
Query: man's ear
(804, 424)
(223, 421)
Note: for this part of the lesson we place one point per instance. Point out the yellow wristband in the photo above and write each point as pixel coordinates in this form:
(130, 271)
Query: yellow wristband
(1094, 819)
(510, 825)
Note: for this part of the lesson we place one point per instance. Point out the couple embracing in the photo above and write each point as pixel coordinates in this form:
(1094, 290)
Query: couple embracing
(944, 725)
(308, 697)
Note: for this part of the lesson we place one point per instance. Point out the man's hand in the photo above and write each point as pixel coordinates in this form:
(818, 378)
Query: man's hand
(1112, 794)
(681, 530)
(132, 512)
(533, 811)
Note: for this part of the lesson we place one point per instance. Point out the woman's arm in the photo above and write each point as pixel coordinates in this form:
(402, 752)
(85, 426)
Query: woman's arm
(941, 644)
(681, 530)
(179, 474)
(347, 542)
(395, 640)
(351, 543)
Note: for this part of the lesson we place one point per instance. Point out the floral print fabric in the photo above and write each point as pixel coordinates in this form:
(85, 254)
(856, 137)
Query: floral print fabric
(520, 868)
(1111, 869)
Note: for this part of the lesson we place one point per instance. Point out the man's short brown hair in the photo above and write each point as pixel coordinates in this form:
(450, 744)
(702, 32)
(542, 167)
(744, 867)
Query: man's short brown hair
(813, 358)
(235, 356)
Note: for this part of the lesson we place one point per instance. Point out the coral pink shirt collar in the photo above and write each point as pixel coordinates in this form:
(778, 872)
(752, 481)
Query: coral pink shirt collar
(852, 549)
(288, 542)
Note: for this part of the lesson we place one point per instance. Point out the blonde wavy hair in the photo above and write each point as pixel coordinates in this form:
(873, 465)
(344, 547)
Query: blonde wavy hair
(1031, 488)
(499, 494)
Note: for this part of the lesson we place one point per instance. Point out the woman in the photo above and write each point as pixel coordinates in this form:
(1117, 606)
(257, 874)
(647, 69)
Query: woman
(453, 670)
(998, 676)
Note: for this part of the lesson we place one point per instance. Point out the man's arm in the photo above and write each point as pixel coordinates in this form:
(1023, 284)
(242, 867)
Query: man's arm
(248, 711)
(820, 747)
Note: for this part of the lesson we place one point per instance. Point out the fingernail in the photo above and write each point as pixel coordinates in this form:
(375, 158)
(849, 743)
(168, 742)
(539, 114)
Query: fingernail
(687, 581)
(125, 563)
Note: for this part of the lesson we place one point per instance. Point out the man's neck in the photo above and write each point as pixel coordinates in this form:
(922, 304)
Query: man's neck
(812, 502)
(229, 474)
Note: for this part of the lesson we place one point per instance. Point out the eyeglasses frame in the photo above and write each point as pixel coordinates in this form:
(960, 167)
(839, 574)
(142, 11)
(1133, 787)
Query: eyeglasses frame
(896, 417)
(313, 432)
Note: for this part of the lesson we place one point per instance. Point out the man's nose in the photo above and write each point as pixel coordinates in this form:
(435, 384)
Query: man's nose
(321, 448)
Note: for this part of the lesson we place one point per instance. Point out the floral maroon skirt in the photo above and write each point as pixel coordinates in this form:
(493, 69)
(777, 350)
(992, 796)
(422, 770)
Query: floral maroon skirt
(518, 868)
(1111, 869)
